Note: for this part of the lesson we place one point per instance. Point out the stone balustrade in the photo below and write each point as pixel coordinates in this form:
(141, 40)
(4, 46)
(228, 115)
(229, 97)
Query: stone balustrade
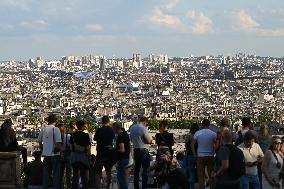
(10, 170)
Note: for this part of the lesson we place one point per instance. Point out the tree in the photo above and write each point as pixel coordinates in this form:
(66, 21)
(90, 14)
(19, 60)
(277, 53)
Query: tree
(264, 117)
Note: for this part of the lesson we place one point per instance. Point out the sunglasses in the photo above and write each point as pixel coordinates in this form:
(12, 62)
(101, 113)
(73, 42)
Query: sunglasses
(277, 143)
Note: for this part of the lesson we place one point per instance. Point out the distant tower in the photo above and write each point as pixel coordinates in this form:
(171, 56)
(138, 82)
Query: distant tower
(84, 60)
(102, 64)
(151, 58)
(166, 59)
(32, 63)
(39, 62)
(137, 60)
(224, 61)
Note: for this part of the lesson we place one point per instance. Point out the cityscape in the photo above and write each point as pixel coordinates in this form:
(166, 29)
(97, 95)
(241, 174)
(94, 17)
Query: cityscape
(157, 86)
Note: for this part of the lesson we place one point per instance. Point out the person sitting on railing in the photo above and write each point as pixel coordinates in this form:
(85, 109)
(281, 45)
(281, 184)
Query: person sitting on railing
(8, 140)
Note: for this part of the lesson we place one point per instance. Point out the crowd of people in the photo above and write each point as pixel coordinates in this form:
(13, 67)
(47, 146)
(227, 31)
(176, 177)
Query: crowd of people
(222, 159)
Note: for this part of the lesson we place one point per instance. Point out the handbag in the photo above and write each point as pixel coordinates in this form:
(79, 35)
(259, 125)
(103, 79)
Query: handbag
(79, 154)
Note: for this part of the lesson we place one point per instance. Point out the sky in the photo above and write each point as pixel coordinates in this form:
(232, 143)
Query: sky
(118, 28)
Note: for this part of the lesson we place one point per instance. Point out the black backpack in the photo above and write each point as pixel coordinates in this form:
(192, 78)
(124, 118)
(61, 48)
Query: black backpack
(237, 166)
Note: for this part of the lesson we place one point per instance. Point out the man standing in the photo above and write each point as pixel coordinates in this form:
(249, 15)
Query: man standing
(141, 139)
(105, 152)
(50, 145)
(229, 159)
(246, 126)
(253, 155)
(205, 138)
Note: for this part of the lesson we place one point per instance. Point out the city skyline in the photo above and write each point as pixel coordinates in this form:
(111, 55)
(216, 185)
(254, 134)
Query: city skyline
(52, 29)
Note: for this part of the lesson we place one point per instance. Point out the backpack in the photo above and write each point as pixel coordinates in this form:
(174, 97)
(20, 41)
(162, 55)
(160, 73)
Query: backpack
(240, 139)
(237, 166)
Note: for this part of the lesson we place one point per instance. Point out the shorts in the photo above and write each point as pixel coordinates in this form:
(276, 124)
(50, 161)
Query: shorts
(101, 163)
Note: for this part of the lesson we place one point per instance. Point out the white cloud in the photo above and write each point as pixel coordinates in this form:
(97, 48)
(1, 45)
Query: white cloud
(163, 16)
(164, 19)
(94, 27)
(169, 4)
(34, 24)
(246, 23)
(199, 23)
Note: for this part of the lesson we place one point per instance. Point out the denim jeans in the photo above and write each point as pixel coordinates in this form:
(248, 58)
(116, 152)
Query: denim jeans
(51, 164)
(250, 182)
(122, 173)
(191, 169)
(141, 158)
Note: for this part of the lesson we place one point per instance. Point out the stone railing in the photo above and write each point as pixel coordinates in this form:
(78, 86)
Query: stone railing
(10, 170)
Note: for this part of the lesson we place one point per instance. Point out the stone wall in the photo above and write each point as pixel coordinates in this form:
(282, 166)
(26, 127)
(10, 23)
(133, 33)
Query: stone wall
(10, 170)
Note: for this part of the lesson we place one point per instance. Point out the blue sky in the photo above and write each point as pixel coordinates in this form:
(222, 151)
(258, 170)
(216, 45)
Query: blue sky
(53, 28)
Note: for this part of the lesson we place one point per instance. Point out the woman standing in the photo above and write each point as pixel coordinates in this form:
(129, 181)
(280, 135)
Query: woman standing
(66, 166)
(264, 138)
(272, 165)
(164, 138)
(189, 162)
(123, 151)
(81, 150)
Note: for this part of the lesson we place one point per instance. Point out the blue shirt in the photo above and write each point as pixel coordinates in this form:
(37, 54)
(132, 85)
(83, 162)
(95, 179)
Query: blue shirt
(139, 136)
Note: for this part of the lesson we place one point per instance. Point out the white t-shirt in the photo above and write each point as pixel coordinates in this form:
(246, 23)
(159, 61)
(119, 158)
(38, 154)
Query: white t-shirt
(205, 139)
(48, 136)
(251, 155)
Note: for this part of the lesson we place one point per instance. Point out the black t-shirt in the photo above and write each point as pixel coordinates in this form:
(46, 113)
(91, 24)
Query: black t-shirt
(123, 138)
(104, 137)
(165, 139)
(81, 139)
(224, 154)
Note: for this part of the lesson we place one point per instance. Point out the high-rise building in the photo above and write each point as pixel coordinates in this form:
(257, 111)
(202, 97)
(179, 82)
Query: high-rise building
(137, 60)
(39, 62)
(31, 63)
(102, 64)
(166, 59)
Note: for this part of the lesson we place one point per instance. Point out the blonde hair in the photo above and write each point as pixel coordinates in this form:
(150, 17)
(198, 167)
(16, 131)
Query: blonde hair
(264, 131)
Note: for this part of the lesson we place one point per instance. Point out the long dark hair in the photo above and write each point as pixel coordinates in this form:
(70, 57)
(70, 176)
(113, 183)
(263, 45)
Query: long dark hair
(194, 128)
